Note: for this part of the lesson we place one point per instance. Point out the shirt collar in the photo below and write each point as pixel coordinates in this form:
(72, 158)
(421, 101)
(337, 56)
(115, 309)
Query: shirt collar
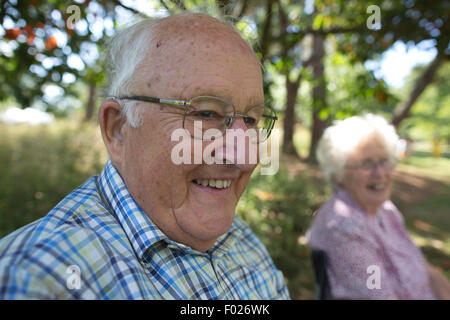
(345, 196)
(140, 230)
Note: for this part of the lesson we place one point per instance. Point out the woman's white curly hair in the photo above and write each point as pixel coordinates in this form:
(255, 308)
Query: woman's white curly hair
(340, 139)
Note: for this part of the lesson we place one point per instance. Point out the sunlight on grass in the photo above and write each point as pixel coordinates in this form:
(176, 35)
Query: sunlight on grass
(423, 241)
(302, 138)
(423, 163)
(437, 168)
(44, 163)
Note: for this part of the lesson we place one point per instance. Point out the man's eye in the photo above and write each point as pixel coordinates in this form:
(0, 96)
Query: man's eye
(206, 114)
(250, 121)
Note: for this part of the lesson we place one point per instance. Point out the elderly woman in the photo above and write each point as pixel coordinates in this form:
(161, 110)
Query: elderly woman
(370, 255)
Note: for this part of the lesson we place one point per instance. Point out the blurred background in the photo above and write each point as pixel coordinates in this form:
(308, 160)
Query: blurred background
(323, 60)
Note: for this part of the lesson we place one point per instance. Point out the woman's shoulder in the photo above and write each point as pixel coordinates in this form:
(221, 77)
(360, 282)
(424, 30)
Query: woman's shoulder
(335, 218)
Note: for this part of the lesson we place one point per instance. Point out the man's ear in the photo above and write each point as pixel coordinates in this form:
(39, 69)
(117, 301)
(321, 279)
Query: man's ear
(111, 121)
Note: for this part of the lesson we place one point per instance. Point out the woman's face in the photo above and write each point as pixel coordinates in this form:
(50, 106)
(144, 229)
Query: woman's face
(368, 174)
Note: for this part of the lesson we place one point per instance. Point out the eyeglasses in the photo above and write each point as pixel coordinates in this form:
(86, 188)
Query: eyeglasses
(216, 113)
(370, 165)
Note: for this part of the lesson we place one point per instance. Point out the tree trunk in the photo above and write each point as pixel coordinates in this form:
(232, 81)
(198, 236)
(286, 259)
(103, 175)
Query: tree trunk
(318, 127)
(266, 33)
(291, 87)
(425, 79)
(224, 6)
(90, 106)
(289, 116)
(318, 94)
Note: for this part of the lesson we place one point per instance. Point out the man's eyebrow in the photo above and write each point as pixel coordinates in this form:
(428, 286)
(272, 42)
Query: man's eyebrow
(253, 102)
(212, 93)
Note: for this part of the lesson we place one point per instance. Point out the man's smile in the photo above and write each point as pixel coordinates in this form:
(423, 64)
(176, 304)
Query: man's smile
(213, 183)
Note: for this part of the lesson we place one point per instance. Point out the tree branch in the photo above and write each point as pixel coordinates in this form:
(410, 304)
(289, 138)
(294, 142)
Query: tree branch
(243, 8)
(179, 4)
(165, 6)
(425, 79)
(334, 30)
(266, 33)
(297, 35)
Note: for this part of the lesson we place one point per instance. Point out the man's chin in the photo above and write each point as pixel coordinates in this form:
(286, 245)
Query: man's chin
(204, 225)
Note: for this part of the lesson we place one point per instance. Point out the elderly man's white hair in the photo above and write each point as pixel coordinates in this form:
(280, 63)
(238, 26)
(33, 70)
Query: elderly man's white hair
(124, 53)
(340, 139)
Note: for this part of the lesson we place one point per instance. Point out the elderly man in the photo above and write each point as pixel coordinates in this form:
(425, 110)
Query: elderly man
(147, 228)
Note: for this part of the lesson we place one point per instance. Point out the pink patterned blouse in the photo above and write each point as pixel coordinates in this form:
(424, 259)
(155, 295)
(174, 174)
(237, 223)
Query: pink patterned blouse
(368, 257)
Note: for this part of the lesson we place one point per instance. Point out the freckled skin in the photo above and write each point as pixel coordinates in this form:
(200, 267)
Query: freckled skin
(196, 64)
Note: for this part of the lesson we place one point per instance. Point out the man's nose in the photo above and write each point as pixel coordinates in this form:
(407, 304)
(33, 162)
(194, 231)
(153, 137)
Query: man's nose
(238, 123)
(237, 148)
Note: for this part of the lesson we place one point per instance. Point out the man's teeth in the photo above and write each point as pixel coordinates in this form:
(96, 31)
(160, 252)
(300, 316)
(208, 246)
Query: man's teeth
(219, 184)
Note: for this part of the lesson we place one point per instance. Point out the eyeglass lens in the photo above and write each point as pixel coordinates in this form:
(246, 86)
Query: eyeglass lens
(214, 113)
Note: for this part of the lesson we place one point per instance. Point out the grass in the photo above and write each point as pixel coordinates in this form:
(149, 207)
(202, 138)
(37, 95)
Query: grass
(42, 164)
(427, 216)
(427, 166)
(428, 224)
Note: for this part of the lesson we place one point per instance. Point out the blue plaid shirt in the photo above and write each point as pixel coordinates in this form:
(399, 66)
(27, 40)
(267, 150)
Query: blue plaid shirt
(97, 243)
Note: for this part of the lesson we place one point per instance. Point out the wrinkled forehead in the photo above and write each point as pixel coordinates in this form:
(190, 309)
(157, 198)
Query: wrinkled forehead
(187, 35)
(198, 26)
(186, 46)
